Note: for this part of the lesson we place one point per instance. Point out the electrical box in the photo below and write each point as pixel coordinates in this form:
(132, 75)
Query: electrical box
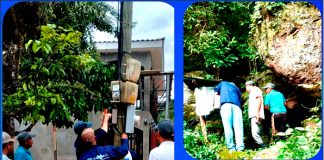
(130, 119)
(114, 116)
(124, 92)
(131, 70)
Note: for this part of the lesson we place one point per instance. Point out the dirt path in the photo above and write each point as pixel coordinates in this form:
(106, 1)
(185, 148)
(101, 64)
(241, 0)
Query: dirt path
(270, 153)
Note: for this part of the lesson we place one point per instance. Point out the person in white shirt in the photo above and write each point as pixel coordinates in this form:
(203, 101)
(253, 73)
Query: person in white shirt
(256, 111)
(165, 136)
(7, 145)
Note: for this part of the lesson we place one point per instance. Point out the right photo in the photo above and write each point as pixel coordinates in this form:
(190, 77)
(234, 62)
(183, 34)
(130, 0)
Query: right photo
(252, 80)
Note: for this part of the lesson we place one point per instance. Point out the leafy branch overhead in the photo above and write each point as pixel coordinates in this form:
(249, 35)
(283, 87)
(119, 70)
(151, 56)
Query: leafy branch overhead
(216, 38)
(58, 80)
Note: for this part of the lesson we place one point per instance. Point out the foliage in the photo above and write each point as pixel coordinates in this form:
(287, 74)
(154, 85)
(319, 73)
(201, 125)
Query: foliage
(58, 80)
(217, 35)
(302, 144)
(247, 154)
(82, 16)
(196, 146)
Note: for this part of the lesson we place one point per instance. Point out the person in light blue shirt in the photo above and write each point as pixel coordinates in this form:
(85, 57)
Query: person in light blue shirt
(275, 101)
(231, 113)
(25, 143)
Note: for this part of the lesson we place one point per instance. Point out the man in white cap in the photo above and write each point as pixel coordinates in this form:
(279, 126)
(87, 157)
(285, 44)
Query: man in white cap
(256, 111)
(7, 145)
(25, 142)
(165, 136)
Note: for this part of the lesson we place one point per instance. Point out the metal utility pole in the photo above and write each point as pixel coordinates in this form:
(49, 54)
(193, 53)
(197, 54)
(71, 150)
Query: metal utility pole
(124, 46)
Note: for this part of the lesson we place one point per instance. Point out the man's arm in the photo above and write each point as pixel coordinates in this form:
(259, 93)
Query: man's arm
(267, 102)
(121, 151)
(104, 123)
(259, 103)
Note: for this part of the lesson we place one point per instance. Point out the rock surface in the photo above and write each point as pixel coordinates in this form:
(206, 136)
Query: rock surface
(290, 42)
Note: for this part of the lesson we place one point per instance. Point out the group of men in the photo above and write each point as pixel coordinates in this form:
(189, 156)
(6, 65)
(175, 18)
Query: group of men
(22, 152)
(89, 143)
(232, 117)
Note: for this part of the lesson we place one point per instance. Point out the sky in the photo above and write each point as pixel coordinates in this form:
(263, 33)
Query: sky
(153, 20)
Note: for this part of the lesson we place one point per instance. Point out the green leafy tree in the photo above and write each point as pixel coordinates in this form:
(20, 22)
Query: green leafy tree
(58, 80)
(27, 19)
(217, 36)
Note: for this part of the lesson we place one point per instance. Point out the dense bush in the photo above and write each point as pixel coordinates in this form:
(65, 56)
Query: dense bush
(303, 143)
(198, 148)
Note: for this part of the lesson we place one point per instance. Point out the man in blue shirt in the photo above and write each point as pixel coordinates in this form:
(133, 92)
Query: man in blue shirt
(231, 113)
(100, 133)
(107, 152)
(276, 102)
(25, 142)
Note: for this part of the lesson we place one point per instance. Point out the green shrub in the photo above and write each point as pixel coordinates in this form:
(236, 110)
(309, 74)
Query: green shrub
(302, 144)
(198, 148)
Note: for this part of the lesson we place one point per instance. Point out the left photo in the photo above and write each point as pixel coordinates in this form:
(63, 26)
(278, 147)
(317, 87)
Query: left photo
(87, 80)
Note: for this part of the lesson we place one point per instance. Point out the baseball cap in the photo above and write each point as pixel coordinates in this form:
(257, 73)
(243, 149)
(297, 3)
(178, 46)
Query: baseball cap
(6, 138)
(269, 85)
(24, 135)
(80, 126)
(165, 127)
(249, 83)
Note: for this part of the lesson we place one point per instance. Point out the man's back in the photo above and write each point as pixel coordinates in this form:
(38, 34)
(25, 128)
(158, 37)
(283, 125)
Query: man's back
(22, 154)
(164, 152)
(106, 152)
(229, 93)
(275, 100)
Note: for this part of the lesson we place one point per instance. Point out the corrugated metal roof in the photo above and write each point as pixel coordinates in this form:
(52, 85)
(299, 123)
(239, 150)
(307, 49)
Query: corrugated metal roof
(139, 40)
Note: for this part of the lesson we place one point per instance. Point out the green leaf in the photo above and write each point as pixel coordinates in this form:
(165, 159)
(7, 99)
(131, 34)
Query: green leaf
(53, 101)
(45, 49)
(34, 66)
(49, 47)
(35, 47)
(45, 71)
(52, 26)
(42, 118)
(29, 102)
(52, 114)
(24, 86)
(28, 43)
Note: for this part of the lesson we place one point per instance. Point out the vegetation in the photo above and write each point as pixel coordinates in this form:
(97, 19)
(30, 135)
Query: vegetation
(51, 69)
(58, 80)
(302, 144)
(220, 40)
(216, 38)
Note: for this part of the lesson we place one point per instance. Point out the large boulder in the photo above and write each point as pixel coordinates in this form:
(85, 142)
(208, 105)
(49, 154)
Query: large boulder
(289, 40)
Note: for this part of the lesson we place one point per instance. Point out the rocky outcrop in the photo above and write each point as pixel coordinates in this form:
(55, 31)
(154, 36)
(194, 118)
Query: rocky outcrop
(289, 40)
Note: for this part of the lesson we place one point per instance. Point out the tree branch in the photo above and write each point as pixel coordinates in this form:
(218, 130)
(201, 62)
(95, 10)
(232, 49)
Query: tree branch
(28, 129)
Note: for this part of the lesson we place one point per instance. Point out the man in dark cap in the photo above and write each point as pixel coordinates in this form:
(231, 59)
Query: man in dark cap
(25, 142)
(99, 133)
(165, 136)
